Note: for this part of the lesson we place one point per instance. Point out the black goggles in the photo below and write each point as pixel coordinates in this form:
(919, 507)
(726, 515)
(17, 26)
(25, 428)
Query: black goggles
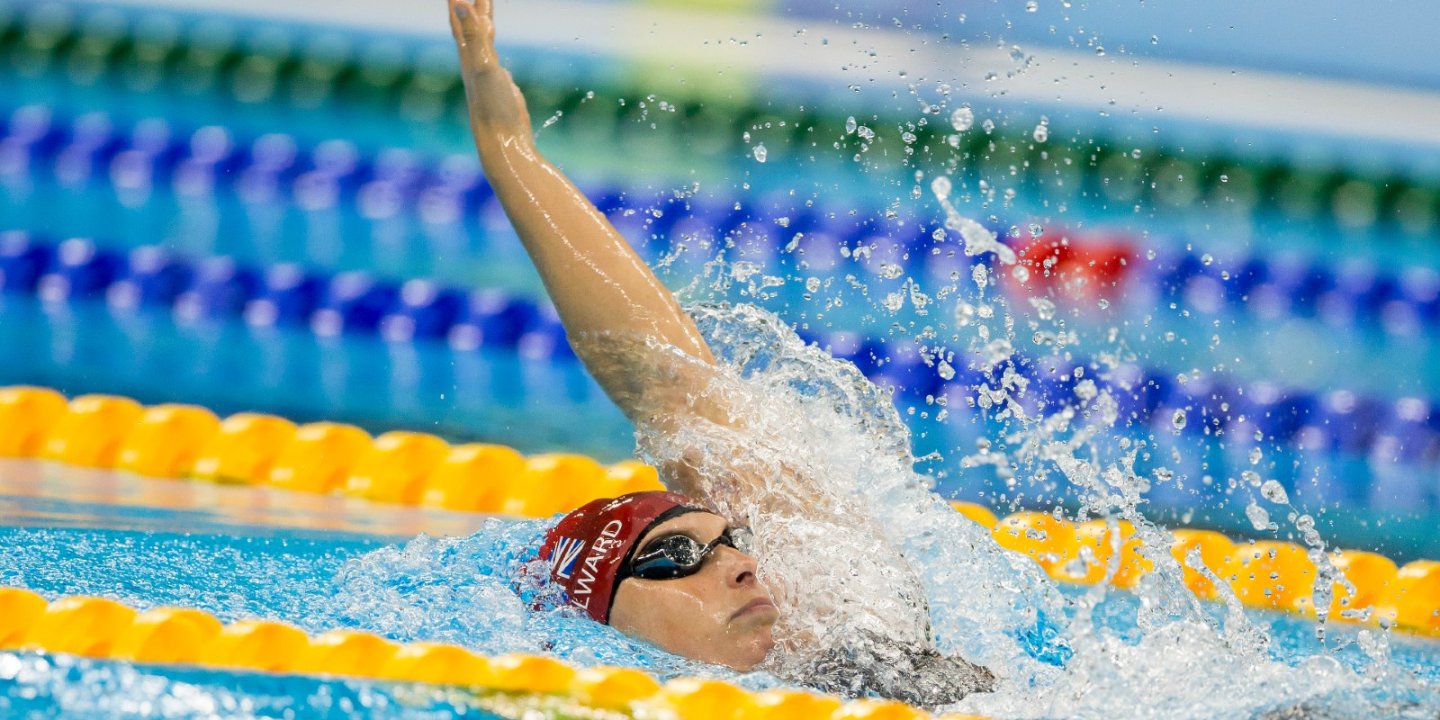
(676, 556)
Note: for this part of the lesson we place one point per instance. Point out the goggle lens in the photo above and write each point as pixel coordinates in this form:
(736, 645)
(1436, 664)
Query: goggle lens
(678, 556)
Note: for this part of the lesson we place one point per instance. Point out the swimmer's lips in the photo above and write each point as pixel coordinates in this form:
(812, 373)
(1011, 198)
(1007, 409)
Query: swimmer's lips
(759, 604)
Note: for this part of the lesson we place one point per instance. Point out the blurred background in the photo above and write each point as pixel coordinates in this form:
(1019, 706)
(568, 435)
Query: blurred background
(1227, 217)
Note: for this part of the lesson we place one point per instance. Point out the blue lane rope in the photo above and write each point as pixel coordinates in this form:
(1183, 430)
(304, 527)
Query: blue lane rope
(356, 303)
(335, 173)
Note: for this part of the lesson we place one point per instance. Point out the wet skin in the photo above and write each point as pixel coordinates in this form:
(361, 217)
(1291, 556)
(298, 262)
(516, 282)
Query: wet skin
(721, 614)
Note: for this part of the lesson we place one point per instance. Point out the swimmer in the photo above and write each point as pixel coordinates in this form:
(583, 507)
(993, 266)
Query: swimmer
(678, 569)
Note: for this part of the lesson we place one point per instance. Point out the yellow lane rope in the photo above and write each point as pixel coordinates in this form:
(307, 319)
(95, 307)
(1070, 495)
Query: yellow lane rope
(104, 629)
(187, 441)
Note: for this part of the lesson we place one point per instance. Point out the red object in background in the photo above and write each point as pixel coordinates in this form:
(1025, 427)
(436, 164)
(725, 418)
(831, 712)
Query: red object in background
(1072, 267)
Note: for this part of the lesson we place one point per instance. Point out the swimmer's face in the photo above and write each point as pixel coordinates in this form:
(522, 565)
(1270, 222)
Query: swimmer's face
(721, 614)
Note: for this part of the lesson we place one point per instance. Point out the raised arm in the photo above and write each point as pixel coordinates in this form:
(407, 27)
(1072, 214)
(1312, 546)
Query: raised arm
(619, 317)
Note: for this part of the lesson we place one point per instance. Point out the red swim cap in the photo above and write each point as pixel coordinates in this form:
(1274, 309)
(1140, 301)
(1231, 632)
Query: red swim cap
(587, 547)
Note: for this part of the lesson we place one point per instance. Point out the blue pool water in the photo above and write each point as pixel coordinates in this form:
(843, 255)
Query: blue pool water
(212, 552)
(322, 563)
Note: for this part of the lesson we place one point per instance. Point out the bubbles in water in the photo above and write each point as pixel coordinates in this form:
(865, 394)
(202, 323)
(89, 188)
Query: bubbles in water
(962, 118)
(865, 133)
(1274, 492)
(850, 125)
(1255, 456)
(1031, 6)
(1020, 273)
(1178, 420)
(1251, 478)
(1041, 133)
(760, 153)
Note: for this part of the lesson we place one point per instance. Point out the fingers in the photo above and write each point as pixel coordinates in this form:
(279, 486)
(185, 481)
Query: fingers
(454, 15)
(470, 23)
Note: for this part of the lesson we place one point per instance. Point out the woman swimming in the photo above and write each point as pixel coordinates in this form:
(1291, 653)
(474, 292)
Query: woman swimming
(839, 609)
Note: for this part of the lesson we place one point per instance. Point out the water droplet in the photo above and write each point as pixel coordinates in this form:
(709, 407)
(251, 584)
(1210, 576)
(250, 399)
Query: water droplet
(1178, 420)
(1207, 259)
(963, 118)
(1020, 273)
(1251, 477)
(1031, 6)
(761, 153)
(1274, 492)
(865, 133)
(1043, 308)
(1163, 474)
(850, 125)
(1100, 50)
(1255, 456)
(941, 187)
(1259, 519)
(964, 314)
(946, 370)
(813, 284)
(1103, 304)
(1135, 153)
(1154, 39)
(1036, 231)
(988, 126)
(1041, 133)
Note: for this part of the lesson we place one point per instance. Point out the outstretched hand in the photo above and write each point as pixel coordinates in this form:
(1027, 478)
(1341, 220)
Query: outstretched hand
(472, 22)
(495, 102)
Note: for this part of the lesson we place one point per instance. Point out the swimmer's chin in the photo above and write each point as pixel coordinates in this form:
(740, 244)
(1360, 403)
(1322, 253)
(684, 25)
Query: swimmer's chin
(757, 644)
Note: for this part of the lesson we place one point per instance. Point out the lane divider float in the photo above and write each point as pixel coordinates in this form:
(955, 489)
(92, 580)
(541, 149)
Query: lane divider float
(262, 64)
(178, 441)
(101, 628)
(186, 441)
(1263, 574)
(1407, 429)
(282, 170)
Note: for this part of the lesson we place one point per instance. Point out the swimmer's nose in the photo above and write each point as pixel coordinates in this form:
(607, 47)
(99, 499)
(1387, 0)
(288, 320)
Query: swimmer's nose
(738, 567)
